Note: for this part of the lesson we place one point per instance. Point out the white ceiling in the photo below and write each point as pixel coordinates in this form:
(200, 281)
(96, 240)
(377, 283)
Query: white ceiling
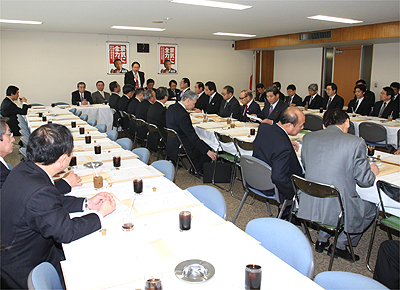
(266, 18)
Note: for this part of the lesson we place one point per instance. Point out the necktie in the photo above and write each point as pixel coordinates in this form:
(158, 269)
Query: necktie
(271, 108)
(210, 100)
(311, 98)
(356, 106)
(137, 83)
(382, 109)
(244, 114)
(102, 94)
(329, 102)
(81, 97)
(225, 104)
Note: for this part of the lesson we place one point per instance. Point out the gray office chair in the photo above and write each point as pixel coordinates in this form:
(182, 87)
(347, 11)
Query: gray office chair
(161, 144)
(373, 133)
(313, 122)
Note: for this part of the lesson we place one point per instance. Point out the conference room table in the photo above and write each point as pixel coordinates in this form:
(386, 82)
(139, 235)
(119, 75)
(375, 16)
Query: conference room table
(114, 259)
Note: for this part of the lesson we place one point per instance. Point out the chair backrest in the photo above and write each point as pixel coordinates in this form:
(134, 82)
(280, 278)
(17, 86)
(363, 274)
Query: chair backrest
(21, 119)
(22, 150)
(44, 276)
(256, 173)
(211, 198)
(143, 153)
(78, 113)
(140, 122)
(332, 280)
(392, 191)
(92, 122)
(61, 103)
(284, 240)
(352, 129)
(398, 139)
(84, 117)
(125, 143)
(73, 110)
(313, 122)
(24, 132)
(101, 127)
(243, 145)
(154, 129)
(166, 167)
(372, 132)
(112, 134)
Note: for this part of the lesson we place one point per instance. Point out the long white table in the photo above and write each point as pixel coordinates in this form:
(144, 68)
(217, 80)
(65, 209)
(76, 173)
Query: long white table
(102, 113)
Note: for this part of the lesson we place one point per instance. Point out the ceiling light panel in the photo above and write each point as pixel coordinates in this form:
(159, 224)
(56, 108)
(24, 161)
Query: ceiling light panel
(334, 19)
(214, 4)
(138, 28)
(234, 34)
(20, 21)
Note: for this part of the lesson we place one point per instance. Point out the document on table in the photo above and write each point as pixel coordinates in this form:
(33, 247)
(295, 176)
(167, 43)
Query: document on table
(127, 174)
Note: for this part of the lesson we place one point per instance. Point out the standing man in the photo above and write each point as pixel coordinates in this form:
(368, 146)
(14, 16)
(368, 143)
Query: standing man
(279, 86)
(332, 156)
(10, 110)
(35, 215)
(100, 96)
(81, 96)
(156, 116)
(135, 77)
(293, 99)
(273, 108)
(313, 100)
(249, 107)
(332, 100)
(214, 99)
(230, 105)
(360, 105)
(261, 96)
(184, 85)
(178, 119)
(386, 107)
(118, 67)
(173, 91)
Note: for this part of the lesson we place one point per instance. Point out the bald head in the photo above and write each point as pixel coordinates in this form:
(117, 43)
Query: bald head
(292, 120)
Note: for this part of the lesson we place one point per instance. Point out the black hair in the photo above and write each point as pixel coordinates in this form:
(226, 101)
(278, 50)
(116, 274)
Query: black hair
(161, 93)
(80, 83)
(229, 89)
(272, 89)
(333, 86)
(291, 87)
(211, 86)
(113, 85)
(11, 90)
(149, 81)
(186, 81)
(277, 84)
(389, 91)
(200, 85)
(135, 62)
(259, 86)
(99, 82)
(127, 89)
(172, 82)
(334, 117)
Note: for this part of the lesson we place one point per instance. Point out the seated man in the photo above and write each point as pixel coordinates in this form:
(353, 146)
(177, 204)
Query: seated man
(273, 108)
(386, 107)
(35, 215)
(178, 119)
(149, 97)
(184, 85)
(261, 95)
(115, 89)
(313, 100)
(249, 107)
(10, 110)
(81, 96)
(369, 95)
(332, 100)
(293, 99)
(230, 105)
(279, 86)
(213, 100)
(273, 146)
(150, 85)
(100, 96)
(132, 108)
(388, 265)
(359, 105)
(173, 91)
(156, 116)
(124, 102)
(332, 156)
(202, 99)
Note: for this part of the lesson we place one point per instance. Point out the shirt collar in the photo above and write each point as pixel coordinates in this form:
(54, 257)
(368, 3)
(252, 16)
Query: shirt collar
(180, 103)
(249, 103)
(282, 129)
(4, 162)
(160, 103)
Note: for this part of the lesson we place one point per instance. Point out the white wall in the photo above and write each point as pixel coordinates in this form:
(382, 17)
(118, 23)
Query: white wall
(385, 66)
(300, 67)
(47, 66)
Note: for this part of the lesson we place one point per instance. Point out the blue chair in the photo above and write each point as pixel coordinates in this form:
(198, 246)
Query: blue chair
(285, 241)
(143, 153)
(210, 197)
(84, 117)
(61, 103)
(78, 113)
(24, 139)
(332, 280)
(44, 276)
(36, 104)
(112, 135)
(92, 122)
(125, 143)
(24, 132)
(166, 167)
(22, 150)
(22, 120)
(73, 110)
(102, 128)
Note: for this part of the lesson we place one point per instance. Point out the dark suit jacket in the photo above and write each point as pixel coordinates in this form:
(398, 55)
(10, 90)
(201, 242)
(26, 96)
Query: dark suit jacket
(230, 108)
(363, 109)
(316, 102)
(132, 110)
(281, 96)
(130, 79)
(156, 116)
(296, 100)
(141, 113)
(35, 221)
(370, 96)
(97, 98)
(178, 96)
(76, 97)
(4, 171)
(178, 119)
(391, 108)
(10, 109)
(261, 97)
(253, 109)
(202, 102)
(275, 114)
(273, 146)
(113, 102)
(213, 106)
(171, 95)
(123, 104)
(337, 102)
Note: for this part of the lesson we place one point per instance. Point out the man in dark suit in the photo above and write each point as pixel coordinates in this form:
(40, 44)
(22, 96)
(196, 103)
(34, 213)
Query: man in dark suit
(396, 88)
(249, 106)
(185, 86)
(273, 108)
(214, 100)
(115, 89)
(173, 91)
(124, 102)
(313, 100)
(261, 95)
(134, 77)
(10, 110)
(293, 99)
(156, 116)
(386, 107)
(360, 105)
(273, 146)
(332, 100)
(279, 86)
(100, 96)
(81, 96)
(369, 95)
(132, 108)
(202, 99)
(150, 85)
(149, 97)
(178, 119)
(35, 215)
(230, 105)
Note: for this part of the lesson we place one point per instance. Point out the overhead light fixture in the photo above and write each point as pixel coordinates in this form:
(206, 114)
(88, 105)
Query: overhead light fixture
(138, 28)
(234, 34)
(19, 21)
(215, 4)
(334, 19)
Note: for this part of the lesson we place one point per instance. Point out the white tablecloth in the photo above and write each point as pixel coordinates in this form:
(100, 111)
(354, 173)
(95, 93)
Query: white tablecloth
(102, 113)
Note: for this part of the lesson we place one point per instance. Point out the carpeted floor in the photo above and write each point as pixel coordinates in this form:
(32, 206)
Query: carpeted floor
(259, 209)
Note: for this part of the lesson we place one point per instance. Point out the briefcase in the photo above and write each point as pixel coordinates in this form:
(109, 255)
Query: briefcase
(222, 172)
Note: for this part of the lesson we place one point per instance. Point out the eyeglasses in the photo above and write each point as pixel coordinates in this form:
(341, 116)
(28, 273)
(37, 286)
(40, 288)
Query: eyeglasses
(243, 98)
(9, 134)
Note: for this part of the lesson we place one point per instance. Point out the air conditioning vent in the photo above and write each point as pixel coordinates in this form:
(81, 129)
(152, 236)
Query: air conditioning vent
(315, 35)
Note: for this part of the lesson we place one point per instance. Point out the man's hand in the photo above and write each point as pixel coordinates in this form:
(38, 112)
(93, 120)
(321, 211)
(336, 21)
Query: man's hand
(136, 76)
(268, 121)
(198, 111)
(397, 152)
(212, 155)
(108, 206)
(375, 169)
(84, 102)
(23, 99)
(73, 179)
(293, 105)
(96, 201)
(295, 146)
